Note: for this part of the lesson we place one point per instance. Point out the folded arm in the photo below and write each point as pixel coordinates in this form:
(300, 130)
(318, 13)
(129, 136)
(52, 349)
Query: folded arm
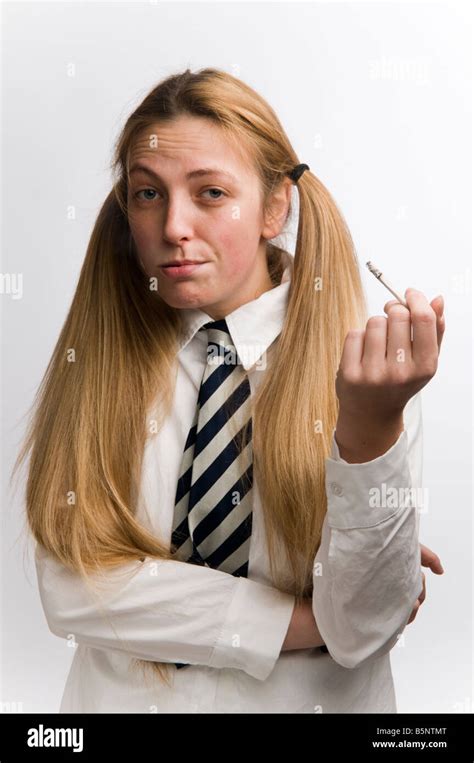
(169, 611)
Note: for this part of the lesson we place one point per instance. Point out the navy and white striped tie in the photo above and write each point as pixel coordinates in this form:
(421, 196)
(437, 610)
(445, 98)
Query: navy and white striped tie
(212, 523)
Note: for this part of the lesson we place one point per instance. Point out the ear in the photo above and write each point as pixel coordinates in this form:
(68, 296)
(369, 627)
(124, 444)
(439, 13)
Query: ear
(275, 215)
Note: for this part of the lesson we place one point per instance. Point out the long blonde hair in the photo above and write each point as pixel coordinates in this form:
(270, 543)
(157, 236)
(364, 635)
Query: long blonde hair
(88, 429)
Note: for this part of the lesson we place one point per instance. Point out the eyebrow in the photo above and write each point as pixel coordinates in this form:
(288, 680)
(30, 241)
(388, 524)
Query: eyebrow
(194, 173)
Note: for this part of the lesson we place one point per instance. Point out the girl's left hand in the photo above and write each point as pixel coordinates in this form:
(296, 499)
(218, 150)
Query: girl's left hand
(381, 367)
(431, 560)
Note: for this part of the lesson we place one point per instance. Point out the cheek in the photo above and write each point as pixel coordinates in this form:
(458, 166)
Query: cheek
(141, 235)
(238, 252)
(145, 246)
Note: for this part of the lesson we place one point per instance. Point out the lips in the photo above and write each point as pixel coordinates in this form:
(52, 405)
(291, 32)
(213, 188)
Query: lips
(180, 263)
(184, 269)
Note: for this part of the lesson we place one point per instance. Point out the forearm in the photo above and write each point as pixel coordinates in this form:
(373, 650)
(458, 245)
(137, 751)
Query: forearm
(367, 572)
(302, 632)
(168, 611)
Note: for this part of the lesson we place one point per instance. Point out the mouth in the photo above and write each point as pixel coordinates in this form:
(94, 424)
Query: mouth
(175, 270)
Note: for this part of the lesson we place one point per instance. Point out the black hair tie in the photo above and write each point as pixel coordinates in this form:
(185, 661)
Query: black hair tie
(297, 171)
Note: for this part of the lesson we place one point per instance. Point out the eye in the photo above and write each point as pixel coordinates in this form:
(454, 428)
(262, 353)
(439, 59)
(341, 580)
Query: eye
(144, 190)
(218, 191)
(147, 190)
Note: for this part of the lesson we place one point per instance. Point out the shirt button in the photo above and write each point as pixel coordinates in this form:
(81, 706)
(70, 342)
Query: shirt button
(336, 488)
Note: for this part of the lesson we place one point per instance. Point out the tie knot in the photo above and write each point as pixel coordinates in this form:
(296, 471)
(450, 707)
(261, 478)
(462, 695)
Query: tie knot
(219, 325)
(220, 347)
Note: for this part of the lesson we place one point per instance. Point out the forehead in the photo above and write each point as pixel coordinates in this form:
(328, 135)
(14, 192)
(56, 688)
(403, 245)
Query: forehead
(185, 143)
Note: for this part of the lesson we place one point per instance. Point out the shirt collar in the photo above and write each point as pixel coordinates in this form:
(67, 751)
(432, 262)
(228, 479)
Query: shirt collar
(252, 326)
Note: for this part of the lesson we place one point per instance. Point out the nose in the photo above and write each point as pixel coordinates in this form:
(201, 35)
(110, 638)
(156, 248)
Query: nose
(178, 222)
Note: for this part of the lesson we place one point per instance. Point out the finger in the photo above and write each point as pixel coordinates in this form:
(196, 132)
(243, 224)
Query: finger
(423, 320)
(422, 595)
(352, 350)
(431, 560)
(375, 342)
(419, 601)
(399, 348)
(414, 613)
(390, 302)
(438, 306)
(437, 303)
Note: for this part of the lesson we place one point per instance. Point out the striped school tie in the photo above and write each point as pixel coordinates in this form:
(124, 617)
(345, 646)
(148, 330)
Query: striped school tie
(212, 523)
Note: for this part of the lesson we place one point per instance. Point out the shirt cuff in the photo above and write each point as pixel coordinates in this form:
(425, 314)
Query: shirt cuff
(254, 629)
(363, 495)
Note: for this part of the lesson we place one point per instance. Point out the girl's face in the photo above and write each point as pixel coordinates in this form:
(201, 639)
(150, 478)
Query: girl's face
(193, 197)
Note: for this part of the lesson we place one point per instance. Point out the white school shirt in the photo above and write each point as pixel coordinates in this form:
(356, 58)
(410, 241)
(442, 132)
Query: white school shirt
(230, 630)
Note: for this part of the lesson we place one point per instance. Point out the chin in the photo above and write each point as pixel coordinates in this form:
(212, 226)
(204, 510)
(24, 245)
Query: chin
(182, 301)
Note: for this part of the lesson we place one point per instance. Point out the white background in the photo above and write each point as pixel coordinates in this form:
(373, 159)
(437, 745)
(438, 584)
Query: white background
(376, 99)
